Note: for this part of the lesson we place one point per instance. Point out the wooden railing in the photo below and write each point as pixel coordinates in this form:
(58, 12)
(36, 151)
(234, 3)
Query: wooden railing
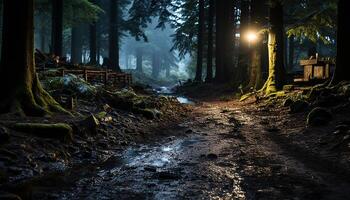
(107, 77)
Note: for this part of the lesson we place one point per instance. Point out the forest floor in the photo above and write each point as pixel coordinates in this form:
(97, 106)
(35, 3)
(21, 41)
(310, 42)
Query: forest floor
(217, 150)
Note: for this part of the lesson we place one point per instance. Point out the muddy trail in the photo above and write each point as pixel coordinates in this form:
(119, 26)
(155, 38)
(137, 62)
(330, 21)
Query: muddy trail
(224, 152)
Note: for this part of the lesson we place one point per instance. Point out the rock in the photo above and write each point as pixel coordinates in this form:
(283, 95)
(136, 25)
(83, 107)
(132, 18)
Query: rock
(328, 100)
(319, 116)
(72, 84)
(288, 102)
(149, 113)
(166, 175)
(59, 131)
(345, 90)
(189, 131)
(299, 106)
(88, 126)
(212, 156)
(150, 168)
(4, 135)
(9, 197)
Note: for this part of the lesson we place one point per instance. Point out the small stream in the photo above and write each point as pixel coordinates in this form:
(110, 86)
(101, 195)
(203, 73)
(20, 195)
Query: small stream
(167, 91)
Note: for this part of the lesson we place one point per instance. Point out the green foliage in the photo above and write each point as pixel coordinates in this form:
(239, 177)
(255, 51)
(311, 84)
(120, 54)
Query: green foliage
(312, 19)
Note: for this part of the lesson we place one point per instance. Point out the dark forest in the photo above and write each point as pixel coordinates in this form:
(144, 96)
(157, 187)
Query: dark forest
(174, 99)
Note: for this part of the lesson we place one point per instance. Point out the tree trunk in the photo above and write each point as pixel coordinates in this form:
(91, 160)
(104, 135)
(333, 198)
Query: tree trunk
(342, 71)
(211, 16)
(57, 27)
(76, 44)
(291, 49)
(199, 68)
(155, 65)
(21, 91)
(139, 60)
(277, 72)
(256, 57)
(114, 36)
(224, 41)
(93, 44)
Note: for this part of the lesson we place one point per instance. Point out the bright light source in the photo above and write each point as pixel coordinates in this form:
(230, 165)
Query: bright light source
(251, 36)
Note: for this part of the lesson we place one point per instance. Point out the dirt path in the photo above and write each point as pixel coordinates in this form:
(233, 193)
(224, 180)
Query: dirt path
(226, 153)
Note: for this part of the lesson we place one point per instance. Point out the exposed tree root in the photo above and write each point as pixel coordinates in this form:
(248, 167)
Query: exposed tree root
(31, 101)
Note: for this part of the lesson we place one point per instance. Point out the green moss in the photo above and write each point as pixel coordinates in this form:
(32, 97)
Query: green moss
(60, 131)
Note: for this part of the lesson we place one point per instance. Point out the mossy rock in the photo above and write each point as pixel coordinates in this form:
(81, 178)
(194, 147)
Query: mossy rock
(149, 113)
(299, 106)
(88, 126)
(344, 90)
(59, 131)
(319, 116)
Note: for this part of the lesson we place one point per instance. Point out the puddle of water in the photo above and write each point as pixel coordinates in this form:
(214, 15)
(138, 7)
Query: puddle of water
(162, 156)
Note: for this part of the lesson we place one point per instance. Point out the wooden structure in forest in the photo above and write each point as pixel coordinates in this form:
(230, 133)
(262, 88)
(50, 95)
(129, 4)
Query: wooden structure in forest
(317, 69)
(107, 77)
(88, 73)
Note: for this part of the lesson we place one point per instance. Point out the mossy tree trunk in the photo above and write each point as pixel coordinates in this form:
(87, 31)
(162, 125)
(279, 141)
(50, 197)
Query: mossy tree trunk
(21, 91)
(199, 68)
(342, 71)
(277, 72)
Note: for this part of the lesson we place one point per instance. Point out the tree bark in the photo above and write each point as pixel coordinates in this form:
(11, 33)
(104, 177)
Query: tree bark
(291, 49)
(139, 60)
(19, 84)
(114, 36)
(211, 16)
(342, 71)
(155, 65)
(199, 69)
(224, 41)
(57, 27)
(93, 43)
(277, 72)
(76, 44)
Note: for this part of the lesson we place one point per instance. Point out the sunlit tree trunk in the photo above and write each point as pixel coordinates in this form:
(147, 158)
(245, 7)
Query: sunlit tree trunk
(256, 49)
(21, 91)
(199, 68)
(211, 16)
(277, 72)
(114, 36)
(57, 27)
